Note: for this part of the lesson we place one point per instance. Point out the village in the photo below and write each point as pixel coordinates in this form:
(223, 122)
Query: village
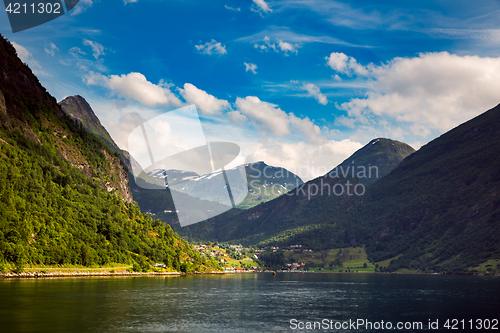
(237, 259)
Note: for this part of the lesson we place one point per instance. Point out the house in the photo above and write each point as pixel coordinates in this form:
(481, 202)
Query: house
(238, 269)
(160, 265)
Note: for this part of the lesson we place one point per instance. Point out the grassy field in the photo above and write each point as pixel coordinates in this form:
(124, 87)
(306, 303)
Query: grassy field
(353, 259)
(72, 268)
(491, 266)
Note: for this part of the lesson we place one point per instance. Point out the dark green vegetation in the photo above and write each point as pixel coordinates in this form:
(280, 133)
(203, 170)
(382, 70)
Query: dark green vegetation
(385, 154)
(440, 208)
(266, 183)
(79, 109)
(301, 216)
(64, 193)
(311, 214)
(437, 210)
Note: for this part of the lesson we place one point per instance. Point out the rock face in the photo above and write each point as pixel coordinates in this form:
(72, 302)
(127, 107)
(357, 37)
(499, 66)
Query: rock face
(79, 109)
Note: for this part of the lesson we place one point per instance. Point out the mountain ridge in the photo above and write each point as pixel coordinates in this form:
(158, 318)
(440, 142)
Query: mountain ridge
(79, 109)
(59, 187)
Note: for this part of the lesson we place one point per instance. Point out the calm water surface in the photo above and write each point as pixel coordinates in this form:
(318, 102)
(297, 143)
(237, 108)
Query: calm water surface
(242, 302)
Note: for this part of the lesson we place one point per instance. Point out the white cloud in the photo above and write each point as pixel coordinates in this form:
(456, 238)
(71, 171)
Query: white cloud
(22, 52)
(250, 67)
(27, 58)
(263, 6)
(212, 47)
(120, 129)
(305, 160)
(307, 127)
(97, 49)
(205, 102)
(79, 61)
(432, 91)
(346, 65)
(76, 52)
(287, 47)
(270, 119)
(136, 86)
(129, 1)
(233, 9)
(236, 117)
(285, 34)
(50, 49)
(266, 115)
(314, 91)
(277, 46)
(81, 7)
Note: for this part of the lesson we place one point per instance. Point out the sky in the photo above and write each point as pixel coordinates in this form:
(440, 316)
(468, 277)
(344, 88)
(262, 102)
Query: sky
(299, 84)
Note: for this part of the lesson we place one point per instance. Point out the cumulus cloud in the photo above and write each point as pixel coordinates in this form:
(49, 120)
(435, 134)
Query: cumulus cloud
(266, 115)
(287, 47)
(432, 91)
(28, 58)
(205, 102)
(314, 91)
(346, 65)
(120, 129)
(136, 86)
(308, 161)
(277, 46)
(262, 6)
(271, 119)
(212, 47)
(234, 9)
(82, 6)
(236, 117)
(51, 49)
(97, 49)
(250, 67)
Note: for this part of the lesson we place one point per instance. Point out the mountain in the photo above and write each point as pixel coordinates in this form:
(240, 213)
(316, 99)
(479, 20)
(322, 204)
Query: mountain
(79, 109)
(440, 208)
(266, 183)
(312, 214)
(64, 193)
(385, 154)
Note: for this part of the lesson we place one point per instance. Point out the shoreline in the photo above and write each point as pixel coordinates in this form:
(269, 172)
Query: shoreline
(59, 274)
(125, 273)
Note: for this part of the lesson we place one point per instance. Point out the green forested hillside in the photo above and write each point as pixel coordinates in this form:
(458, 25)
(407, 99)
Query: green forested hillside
(311, 214)
(266, 183)
(439, 209)
(78, 108)
(385, 154)
(64, 196)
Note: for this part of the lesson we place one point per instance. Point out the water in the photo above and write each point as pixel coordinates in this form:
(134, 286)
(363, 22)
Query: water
(242, 302)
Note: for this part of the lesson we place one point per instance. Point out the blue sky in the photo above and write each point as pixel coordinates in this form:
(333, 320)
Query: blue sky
(295, 83)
